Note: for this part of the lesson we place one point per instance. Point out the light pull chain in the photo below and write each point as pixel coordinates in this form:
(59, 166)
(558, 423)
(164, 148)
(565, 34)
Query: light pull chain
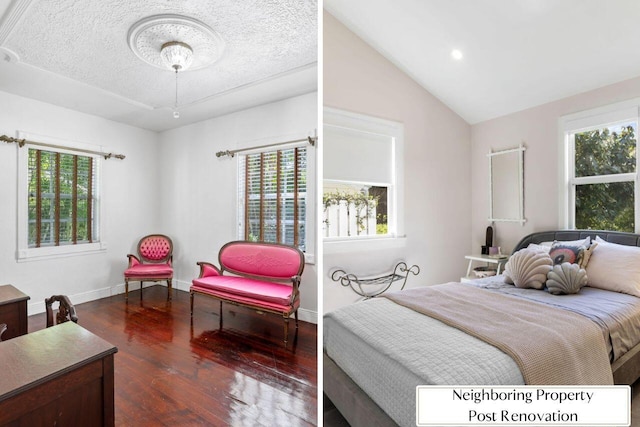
(176, 113)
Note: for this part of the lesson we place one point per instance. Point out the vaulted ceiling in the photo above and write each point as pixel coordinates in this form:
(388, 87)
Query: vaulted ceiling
(515, 53)
(75, 53)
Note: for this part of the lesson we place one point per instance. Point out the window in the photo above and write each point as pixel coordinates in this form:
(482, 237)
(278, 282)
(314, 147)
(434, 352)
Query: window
(59, 205)
(602, 172)
(362, 191)
(62, 196)
(273, 196)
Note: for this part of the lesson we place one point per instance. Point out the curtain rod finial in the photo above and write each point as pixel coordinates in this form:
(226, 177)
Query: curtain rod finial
(225, 153)
(9, 140)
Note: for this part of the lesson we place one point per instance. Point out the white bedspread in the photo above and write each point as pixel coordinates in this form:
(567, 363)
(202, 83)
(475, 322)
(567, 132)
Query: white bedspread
(388, 350)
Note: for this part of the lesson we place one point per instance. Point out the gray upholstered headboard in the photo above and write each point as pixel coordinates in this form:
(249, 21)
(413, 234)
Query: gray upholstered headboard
(629, 239)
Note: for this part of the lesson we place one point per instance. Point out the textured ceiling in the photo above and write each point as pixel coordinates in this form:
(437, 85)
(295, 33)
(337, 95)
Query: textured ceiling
(270, 48)
(517, 53)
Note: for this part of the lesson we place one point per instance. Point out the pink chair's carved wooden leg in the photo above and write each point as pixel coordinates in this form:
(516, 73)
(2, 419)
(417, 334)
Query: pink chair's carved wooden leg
(286, 330)
(220, 314)
(126, 289)
(296, 314)
(192, 294)
(169, 294)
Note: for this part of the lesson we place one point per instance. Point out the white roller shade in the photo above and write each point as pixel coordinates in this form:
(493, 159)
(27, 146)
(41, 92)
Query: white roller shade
(351, 155)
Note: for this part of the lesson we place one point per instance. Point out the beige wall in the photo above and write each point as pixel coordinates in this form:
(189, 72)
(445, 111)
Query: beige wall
(436, 164)
(538, 129)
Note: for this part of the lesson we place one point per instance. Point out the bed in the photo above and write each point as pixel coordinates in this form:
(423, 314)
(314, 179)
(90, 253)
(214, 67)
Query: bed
(376, 352)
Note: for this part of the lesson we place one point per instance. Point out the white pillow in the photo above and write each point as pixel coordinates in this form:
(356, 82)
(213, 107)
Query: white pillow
(582, 242)
(537, 247)
(615, 268)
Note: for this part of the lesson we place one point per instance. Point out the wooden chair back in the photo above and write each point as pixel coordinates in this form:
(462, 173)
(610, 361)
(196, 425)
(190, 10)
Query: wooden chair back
(66, 310)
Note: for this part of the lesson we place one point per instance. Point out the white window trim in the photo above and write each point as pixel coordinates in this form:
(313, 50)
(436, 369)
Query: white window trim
(24, 252)
(395, 130)
(583, 121)
(310, 229)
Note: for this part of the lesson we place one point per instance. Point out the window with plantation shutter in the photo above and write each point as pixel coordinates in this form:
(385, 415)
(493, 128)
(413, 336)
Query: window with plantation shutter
(58, 198)
(272, 188)
(62, 198)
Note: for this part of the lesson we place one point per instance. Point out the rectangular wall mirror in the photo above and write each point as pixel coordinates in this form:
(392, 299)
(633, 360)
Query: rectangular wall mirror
(506, 185)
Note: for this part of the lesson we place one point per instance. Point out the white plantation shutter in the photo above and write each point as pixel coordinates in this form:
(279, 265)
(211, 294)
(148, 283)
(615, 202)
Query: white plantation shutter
(272, 196)
(62, 198)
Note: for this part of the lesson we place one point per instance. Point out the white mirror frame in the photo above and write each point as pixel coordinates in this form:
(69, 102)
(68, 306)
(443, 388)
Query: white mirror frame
(520, 150)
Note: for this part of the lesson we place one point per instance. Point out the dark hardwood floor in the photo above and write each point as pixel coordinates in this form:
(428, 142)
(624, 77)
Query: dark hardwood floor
(170, 372)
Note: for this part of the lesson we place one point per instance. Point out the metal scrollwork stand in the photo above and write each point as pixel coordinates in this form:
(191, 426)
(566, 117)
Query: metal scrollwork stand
(382, 283)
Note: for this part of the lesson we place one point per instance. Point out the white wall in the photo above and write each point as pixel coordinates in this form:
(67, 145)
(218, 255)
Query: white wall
(129, 197)
(538, 129)
(199, 190)
(436, 173)
(169, 183)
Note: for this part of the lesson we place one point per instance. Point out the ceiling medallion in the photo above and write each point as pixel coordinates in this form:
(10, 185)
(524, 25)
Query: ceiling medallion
(178, 38)
(175, 43)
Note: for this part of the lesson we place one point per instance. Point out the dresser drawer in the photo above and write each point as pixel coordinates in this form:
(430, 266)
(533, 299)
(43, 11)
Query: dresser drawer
(13, 311)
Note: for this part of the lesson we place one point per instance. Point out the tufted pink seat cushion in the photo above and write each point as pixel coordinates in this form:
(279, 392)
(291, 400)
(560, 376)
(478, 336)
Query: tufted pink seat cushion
(273, 295)
(157, 271)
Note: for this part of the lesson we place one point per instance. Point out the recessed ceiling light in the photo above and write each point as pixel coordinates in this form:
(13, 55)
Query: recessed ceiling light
(456, 54)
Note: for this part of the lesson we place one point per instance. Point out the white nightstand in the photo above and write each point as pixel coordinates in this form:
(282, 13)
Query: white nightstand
(500, 261)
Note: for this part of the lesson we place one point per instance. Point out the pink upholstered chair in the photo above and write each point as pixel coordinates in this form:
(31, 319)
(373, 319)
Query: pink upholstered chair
(153, 263)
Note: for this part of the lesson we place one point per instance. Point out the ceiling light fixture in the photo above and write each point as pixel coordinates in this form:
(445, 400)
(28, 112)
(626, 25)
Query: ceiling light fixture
(177, 56)
(176, 43)
(456, 54)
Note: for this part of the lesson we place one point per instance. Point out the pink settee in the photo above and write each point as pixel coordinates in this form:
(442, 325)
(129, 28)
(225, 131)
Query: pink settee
(261, 276)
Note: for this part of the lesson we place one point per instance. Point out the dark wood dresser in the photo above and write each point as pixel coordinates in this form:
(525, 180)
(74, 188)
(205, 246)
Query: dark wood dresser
(62, 375)
(13, 311)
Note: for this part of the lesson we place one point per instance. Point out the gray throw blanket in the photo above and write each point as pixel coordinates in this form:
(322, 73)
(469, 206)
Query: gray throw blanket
(551, 346)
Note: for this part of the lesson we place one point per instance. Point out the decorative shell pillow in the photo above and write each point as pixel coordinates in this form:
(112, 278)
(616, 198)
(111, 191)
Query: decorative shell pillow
(566, 278)
(528, 269)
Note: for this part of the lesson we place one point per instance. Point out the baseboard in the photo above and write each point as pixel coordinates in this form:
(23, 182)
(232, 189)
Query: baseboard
(38, 306)
(182, 285)
(309, 316)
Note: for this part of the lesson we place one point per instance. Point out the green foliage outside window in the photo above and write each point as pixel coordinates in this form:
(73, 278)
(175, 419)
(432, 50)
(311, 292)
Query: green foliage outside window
(605, 206)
